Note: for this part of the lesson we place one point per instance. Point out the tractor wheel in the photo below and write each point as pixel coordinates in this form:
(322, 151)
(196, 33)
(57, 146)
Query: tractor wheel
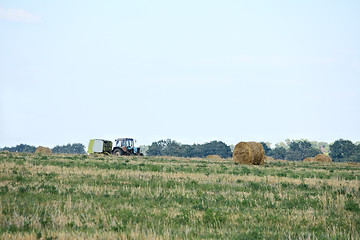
(118, 152)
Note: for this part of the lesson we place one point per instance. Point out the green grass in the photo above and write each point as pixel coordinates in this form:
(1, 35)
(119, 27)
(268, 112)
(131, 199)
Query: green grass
(104, 197)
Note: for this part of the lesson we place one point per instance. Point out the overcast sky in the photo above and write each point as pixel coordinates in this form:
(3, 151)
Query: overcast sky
(193, 71)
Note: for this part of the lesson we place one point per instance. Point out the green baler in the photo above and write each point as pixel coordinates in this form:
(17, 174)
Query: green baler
(100, 146)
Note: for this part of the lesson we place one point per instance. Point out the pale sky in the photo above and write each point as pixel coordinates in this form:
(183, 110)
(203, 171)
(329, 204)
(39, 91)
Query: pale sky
(193, 71)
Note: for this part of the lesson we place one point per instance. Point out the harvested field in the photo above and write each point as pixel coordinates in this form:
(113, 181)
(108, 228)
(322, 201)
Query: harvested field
(106, 197)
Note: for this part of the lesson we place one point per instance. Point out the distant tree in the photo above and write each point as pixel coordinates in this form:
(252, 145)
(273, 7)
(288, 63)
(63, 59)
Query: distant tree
(187, 151)
(356, 155)
(166, 147)
(278, 153)
(156, 148)
(20, 148)
(322, 146)
(267, 149)
(76, 148)
(300, 150)
(342, 150)
(216, 148)
(172, 148)
(195, 150)
(282, 144)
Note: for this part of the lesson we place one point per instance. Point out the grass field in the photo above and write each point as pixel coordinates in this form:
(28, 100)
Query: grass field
(105, 197)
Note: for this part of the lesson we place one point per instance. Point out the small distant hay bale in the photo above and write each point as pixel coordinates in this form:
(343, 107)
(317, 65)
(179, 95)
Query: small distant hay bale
(43, 150)
(214, 157)
(318, 158)
(323, 158)
(249, 153)
(309, 159)
(353, 163)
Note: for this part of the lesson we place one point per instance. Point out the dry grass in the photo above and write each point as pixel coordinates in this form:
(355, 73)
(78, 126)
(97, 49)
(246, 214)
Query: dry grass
(102, 197)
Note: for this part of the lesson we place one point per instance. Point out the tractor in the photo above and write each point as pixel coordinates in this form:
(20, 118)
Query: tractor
(123, 146)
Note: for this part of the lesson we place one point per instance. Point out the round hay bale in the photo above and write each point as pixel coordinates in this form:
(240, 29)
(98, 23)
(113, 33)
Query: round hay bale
(322, 158)
(249, 153)
(214, 157)
(309, 159)
(43, 150)
(318, 158)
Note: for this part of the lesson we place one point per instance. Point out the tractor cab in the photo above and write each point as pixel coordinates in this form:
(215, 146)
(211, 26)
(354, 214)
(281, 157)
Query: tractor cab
(124, 143)
(125, 146)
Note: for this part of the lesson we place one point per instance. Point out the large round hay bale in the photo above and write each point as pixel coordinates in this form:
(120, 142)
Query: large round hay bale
(249, 153)
(322, 158)
(43, 150)
(214, 157)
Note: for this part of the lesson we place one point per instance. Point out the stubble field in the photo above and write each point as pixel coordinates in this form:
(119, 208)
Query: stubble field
(106, 197)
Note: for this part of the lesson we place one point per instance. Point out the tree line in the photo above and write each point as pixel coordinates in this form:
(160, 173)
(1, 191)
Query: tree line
(170, 147)
(297, 150)
(75, 148)
(293, 150)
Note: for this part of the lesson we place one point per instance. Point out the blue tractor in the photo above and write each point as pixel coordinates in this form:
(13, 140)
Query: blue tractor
(125, 146)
